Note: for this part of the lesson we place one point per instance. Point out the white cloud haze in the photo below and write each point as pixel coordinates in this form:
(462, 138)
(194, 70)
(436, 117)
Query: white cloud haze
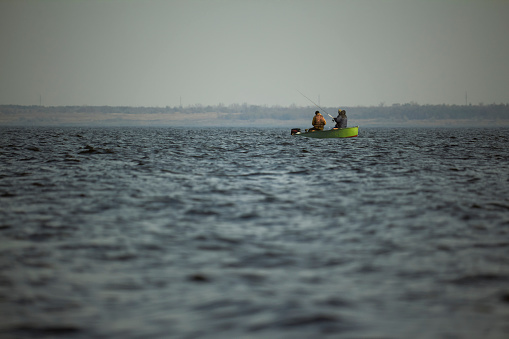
(152, 53)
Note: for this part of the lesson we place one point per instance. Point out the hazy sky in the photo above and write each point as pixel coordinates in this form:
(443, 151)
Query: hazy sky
(343, 52)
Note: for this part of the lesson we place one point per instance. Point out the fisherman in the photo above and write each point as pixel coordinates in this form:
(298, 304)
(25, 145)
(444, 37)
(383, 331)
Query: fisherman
(341, 119)
(318, 122)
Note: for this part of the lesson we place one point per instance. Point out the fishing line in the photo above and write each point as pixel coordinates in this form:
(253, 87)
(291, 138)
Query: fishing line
(314, 103)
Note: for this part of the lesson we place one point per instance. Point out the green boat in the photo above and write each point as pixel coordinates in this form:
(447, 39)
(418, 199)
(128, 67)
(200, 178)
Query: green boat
(348, 132)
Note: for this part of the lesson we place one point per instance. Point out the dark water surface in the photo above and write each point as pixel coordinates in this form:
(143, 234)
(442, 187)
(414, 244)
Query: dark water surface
(252, 233)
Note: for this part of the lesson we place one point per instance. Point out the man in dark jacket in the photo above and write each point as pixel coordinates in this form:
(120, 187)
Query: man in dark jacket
(341, 119)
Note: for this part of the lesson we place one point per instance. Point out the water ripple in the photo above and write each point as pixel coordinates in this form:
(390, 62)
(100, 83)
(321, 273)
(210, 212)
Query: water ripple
(213, 233)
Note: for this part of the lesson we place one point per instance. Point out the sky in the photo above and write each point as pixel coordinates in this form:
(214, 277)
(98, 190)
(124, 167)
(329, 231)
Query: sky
(262, 52)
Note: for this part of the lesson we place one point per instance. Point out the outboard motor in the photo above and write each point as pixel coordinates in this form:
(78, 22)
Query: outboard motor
(295, 131)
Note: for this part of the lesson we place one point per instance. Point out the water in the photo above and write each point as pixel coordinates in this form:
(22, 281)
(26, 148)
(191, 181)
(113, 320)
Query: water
(253, 233)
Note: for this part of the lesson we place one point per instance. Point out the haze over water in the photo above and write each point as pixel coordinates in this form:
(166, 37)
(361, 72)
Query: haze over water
(253, 233)
(186, 52)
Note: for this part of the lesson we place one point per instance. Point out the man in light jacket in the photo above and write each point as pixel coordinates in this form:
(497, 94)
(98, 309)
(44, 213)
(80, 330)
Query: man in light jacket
(318, 122)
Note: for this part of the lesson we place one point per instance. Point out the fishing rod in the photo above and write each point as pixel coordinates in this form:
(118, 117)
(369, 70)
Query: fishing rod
(314, 103)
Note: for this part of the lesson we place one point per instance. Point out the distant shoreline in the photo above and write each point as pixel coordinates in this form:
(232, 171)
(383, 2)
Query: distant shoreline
(408, 115)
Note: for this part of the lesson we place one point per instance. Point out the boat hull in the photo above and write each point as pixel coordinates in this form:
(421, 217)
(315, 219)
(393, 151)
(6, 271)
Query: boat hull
(348, 132)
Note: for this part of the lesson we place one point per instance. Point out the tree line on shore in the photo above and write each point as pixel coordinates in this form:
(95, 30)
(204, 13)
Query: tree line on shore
(395, 112)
